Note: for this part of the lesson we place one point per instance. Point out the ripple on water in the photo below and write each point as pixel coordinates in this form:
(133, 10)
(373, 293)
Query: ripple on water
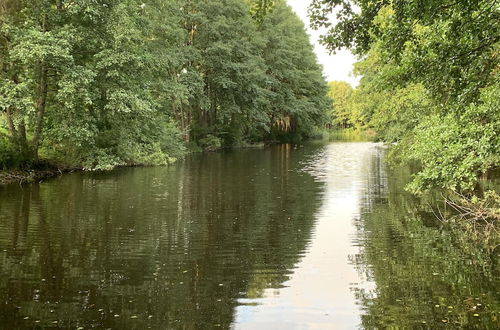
(306, 237)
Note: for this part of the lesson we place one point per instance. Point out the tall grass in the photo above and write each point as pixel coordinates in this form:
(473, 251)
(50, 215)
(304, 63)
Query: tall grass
(349, 134)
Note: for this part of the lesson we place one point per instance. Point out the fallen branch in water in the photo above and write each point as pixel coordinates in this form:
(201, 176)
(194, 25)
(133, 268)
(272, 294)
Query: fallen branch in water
(27, 176)
(486, 209)
(477, 217)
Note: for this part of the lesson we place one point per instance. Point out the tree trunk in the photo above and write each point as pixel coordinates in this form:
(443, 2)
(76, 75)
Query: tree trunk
(22, 140)
(41, 100)
(40, 110)
(10, 124)
(18, 135)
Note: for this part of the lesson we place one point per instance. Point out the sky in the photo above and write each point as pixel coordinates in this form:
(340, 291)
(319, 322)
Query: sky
(335, 67)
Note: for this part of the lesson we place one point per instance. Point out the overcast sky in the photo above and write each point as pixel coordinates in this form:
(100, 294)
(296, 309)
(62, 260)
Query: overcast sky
(336, 67)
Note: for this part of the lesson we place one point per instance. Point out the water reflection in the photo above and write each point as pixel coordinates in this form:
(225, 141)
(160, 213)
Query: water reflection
(426, 277)
(157, 247)
(283, 237)
(319, 294)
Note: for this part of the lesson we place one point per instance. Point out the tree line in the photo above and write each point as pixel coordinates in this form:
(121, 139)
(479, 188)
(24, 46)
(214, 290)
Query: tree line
(101, 83)
(430, 83)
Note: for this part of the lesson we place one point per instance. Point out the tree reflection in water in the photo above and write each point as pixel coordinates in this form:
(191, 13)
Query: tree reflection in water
(186, 246)
(426, 276)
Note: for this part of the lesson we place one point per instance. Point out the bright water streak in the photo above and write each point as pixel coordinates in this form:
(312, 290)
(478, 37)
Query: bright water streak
(319, 293)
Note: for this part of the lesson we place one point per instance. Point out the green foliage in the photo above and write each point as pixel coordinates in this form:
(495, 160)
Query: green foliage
(430, 82)
(457, 149)
(9, 157)
(392, 113)
(260, 8)
(101, 161)
(106, 83)
(340, 115)
(210, 143)
(231, 67)
(297, 91)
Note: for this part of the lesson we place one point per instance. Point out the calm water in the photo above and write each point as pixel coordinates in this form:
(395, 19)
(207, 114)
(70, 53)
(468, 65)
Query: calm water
(314, 237)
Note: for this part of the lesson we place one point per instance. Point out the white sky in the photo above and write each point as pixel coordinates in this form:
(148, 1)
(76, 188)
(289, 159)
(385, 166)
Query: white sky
(335, 67)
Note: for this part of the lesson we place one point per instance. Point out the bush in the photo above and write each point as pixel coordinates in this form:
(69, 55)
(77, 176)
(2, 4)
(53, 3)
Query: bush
(9, 156)
(101, 161)
(162, 144)
(320, 134)
(456, 149)
(210, 143)
(192, 146)
(171, 142)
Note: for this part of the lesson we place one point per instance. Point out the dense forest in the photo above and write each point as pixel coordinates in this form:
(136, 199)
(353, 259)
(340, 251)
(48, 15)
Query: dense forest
(430, 83)
(98, 84)
(102, 83)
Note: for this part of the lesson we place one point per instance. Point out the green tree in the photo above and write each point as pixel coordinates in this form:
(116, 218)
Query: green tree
(102, 83)
(298, 90)
(232, 69)
(428, 68)
(63, 84)
(340, 92)
(35, 50)
(260, 8)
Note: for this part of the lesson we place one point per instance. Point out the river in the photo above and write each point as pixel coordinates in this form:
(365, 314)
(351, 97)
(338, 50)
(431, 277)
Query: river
(321, 236)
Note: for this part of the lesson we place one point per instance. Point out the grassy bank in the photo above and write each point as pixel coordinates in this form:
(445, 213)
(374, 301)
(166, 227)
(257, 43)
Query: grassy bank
(350, 134)
(28, 173)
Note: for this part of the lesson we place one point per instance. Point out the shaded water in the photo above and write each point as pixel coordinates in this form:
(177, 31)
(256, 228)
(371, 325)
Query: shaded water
(278, 238)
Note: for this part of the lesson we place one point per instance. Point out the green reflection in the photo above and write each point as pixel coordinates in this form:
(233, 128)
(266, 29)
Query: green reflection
(154, 247)
(181, 247)
(426, 276)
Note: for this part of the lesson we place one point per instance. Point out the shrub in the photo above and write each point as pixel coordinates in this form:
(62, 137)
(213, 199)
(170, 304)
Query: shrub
(210, 143)
(171, 142)
(9, 156)
(457, 148)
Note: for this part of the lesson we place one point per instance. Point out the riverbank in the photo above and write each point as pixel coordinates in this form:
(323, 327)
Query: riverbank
(30, 175)
(351, 134)
(53, 169)
(19, 176)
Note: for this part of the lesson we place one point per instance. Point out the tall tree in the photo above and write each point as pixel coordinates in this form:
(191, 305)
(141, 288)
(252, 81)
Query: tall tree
(100, 83)
(340, 92)
(232, 69)
(295, 79)
(429, 67)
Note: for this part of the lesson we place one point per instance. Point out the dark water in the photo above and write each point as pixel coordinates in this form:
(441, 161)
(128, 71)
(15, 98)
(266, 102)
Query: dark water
(315, 237)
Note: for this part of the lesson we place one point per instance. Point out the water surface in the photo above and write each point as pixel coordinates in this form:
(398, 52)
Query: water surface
(286, 237)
